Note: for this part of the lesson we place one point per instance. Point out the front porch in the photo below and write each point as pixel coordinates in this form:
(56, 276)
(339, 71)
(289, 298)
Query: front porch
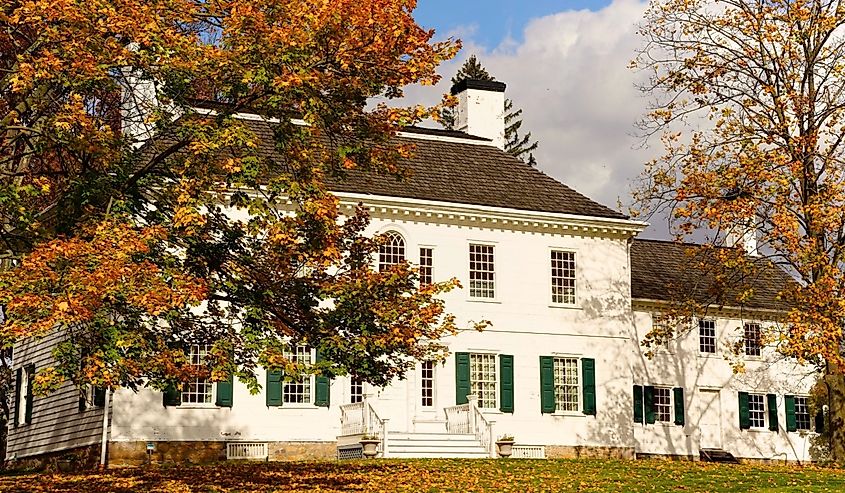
(464, 433)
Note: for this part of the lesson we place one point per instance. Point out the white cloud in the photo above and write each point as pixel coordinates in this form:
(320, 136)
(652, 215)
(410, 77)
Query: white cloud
(570, 76)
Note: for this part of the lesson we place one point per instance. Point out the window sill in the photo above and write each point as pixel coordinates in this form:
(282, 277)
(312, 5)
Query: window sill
(564, 306)
(708, 355)
(568, 414)
(196, 406)
(759, 430)
(752, 358)
(297, 406)
(484, 300)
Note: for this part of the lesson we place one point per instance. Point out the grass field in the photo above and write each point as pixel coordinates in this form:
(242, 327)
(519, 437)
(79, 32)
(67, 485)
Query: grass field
(443, 475)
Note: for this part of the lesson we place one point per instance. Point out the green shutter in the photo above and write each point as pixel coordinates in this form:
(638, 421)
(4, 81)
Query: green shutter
(99, 396)
(82, 401)
(820, 421)
(588, 373)
(274, 388)
(506, 383)
(18, 380)
(547, 384)
(648, 404)
(678, 396)
(744, 416)
(172, 396)
(638, 404)
(773, 411)
(30, 379)
(462, 385)
(225, 391)
(789, 405)
(322, 390)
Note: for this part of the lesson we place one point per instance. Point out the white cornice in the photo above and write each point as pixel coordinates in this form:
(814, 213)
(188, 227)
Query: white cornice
(650, 304)
(490, 217)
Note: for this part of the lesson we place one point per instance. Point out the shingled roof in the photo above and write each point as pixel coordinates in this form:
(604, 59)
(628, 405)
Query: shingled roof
(666, 271)
(463, 170)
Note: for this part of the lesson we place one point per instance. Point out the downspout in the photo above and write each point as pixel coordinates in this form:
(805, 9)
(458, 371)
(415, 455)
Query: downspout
(104, 442)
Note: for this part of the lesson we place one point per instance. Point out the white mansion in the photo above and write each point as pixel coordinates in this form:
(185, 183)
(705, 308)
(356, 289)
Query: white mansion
(570, 293)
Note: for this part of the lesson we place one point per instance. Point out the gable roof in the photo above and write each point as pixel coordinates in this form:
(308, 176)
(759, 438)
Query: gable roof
(468, 172)
(661, 270)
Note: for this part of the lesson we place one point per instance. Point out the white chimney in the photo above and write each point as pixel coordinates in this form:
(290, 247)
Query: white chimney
(743, 236)
(481, 109)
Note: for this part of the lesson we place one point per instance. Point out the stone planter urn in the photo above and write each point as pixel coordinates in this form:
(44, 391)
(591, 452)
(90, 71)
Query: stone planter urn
(370, 447)
(504, 447)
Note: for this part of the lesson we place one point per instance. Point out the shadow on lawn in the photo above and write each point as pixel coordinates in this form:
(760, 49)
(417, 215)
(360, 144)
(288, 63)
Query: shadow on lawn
(283, 476)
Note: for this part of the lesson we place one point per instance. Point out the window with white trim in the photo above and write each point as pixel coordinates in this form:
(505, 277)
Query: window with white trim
(563, 277)
(707, 336)
(757, 410)
(427, 383)
(300, 390)
(751, 339)
(426, 266)
(567, 385)
(802, 413)
(356, 390)
(482, 272)
(663, 404)
(483, 378)
(25, 394)
(198, 390)
(391, 251)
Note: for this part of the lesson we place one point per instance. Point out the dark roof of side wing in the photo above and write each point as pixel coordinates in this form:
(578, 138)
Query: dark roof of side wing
(462, 170)
(661, 270)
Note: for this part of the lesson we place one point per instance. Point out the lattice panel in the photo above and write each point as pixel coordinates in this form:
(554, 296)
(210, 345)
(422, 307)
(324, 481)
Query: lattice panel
(247, 451)
(528, 452)
(350, 452)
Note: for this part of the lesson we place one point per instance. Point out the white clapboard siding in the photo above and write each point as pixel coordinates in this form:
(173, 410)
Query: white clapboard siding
(57, 423)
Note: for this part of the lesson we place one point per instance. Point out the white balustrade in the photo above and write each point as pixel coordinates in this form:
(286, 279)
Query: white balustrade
(468, 419)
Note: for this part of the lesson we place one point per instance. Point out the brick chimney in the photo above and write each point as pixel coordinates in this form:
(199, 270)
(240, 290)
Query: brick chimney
(481, 109)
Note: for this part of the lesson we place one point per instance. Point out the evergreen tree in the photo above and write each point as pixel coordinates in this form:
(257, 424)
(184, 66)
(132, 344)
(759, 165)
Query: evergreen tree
(517, 145)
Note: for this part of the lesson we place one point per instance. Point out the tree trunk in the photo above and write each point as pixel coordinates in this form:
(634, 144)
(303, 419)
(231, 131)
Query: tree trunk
(835, 423)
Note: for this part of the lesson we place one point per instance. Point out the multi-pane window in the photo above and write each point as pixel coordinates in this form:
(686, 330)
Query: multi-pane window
(482, 377)
(427, 383)
(802, 413)
(392, 251)
(482, 274)
(356, 390)
(663, 404)
(566, 384)
(298, 391)
(707, 336)
(757, 410)
(563, 277)
(426, 266)
(751, 339)
(198, 390)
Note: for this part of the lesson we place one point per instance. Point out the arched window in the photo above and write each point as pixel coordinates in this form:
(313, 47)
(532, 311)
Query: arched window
(392, 251)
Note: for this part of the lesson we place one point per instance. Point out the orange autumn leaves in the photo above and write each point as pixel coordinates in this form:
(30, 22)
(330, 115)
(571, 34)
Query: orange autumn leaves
(217, 230)
(69, 281)
(749, 103)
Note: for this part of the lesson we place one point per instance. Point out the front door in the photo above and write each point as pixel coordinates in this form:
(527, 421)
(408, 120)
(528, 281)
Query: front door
(710, 423)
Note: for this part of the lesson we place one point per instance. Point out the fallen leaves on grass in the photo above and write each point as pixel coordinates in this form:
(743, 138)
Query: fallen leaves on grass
(441, 475)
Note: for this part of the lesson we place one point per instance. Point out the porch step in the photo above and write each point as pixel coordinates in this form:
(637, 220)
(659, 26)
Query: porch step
(433, 445)
(717, 455)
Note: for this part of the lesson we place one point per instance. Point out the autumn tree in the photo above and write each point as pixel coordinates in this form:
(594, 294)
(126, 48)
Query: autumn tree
(141, 215)
(517, 145)
(749, 103)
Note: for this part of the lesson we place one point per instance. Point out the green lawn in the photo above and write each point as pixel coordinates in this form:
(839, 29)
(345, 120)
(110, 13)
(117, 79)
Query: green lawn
(443, 475)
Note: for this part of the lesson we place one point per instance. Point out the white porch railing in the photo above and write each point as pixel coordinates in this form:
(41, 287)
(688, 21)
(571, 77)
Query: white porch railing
(360, 418)
(468, 419)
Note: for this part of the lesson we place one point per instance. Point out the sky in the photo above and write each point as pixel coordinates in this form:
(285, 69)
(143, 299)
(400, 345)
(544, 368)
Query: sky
(565, 63)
